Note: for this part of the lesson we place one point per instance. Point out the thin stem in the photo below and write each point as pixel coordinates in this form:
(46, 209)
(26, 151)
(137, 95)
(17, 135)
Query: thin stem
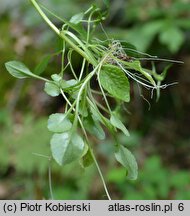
(90, 148)
(138, 81)
(82, 69)
(66, 99)
(69, 56)
(106, 101)
(49, 172)
(99, 105)
(100, 173)
(53, 27)
(51, 13)
(88, 77)
(62, 35)
(50, 179)
(85, 53)
(161, 59)
(89, 57)
(95, 161)
(62, 59)
(41, 78)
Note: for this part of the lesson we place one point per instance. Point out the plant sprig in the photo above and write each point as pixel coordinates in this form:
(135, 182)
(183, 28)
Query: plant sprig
(113, 68)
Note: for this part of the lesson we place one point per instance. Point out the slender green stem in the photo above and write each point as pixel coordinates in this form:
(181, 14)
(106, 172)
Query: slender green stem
(41, 78)
(90, 148)
(88, 54)
(53, 27)
(82, 69)
(100, 173)
(51, 13)
(95, 161)
(98, 104)
(105, 98)
(87, 79)
(90, 75)
(66, 99)
(88, 28)
(69, 55)
(62, 58)
(63, 36)
(50, 179)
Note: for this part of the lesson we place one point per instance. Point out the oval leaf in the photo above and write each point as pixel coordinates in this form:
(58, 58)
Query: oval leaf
(175, 42)
(40, 68)
(56, 77)
(77, 18)
(126, 158)
(18, 69)
(118, 124)
(52, 89)
(67, 147)
(93, 127)
(87, 159)
(59, 123)
(115, 82)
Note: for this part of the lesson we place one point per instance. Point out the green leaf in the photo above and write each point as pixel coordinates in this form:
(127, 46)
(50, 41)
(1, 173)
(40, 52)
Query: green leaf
(118, 124)
(56, 78)
(114, 80)
(67, 147)
(83, 106)
(40, 68)
(126, 158)
(97, 116)
(66, 84)
(71, 87)
(94, 128)
(78, 28)
(134, 65)
(130, 49)
(76, 25)
(87, 159)
(18, 69)
(52, 89)
(59, 123)
(173, 38)
(77, 18)
(147, 33)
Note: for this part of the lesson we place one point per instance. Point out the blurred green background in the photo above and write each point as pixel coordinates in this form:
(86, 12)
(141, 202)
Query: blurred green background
(160, 137)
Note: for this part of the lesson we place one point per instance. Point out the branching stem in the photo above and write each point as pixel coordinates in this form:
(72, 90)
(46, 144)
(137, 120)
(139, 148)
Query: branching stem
(90, 148)
(86, 54)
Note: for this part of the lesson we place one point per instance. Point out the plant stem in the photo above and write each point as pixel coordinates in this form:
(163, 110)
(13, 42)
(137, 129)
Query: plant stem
(100, 173)
(104, 96)
(86, 54)
(53, 27)
(82, 45)
(95, 161)
(62, 35)
(50, 179)
(90, 148)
